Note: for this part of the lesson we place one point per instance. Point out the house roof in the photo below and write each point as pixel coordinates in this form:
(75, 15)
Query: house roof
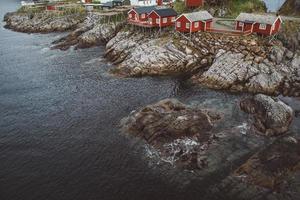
(198, 16)
(144, 9)
(166, 12)
(108, 4)
(259, 18)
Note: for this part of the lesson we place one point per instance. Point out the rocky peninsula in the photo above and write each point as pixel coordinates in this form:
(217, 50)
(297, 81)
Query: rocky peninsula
(42, 22)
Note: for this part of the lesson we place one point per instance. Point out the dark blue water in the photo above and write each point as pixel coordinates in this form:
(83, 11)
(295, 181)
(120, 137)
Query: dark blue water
(59, 125)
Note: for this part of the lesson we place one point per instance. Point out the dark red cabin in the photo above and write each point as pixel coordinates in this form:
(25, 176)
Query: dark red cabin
(193, 22)
(261, 24)
(162, 17)
(194, 3)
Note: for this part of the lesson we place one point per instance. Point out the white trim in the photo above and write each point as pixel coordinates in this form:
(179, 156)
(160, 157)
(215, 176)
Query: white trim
(164, 20)
(262, 26)
(184, 16)
(132, 10)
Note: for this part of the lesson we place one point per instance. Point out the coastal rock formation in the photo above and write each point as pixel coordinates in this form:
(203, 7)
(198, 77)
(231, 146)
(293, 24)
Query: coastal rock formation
(272, 173)
(93, 31)
(271, 116)
(289, 35)
(172, 123)
(271, 75)
(138, 54)
(42, 22)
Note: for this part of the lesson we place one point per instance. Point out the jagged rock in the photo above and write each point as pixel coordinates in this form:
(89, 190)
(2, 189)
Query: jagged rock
(93, 31)
(271, 116)
(171, 125)
(154, 56)
(230, 71)
(272, 173)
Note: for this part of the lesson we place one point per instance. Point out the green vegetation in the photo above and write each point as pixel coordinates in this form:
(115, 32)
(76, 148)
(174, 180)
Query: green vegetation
(237, 6)
(180, 7)
(32, 10)
(233, 8)
(290, 27)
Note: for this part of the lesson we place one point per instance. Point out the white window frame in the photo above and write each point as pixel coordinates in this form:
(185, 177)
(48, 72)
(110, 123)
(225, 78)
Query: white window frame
(143, 15)
(262, 26)
(130, 15)
(178, 24)
(187, 25)
(157, 20)
(165, 20)
(173, 19)
(241, 24)
(196, 24)
(150, 20)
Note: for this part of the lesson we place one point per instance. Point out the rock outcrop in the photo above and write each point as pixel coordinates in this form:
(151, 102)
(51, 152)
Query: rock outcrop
(139, 54)
(172, 123)
(273, 75)
(272, 173)
(271, 116)
(42, 22)
(93, 31)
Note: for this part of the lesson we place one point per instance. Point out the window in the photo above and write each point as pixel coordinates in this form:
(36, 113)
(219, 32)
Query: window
(196, 24)
(165, 20)
(262, 26)
(241, 24)
(187, 25)
(150, 20)
(130, 15)
(143, 16)
(178, 24)
(157, 21)
(173, 19)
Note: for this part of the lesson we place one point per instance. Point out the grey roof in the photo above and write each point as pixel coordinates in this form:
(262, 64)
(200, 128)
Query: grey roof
(144, 9)
(166, 12)
(108, 4)
(198, 16)
(260, 18)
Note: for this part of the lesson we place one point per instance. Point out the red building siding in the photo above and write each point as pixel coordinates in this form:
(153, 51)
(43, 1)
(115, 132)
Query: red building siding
(202, 26)
(255, 27)
(266, 31)
(153, 16)
(276, 26)
(194, 3)
(132, 15)
(50, 8)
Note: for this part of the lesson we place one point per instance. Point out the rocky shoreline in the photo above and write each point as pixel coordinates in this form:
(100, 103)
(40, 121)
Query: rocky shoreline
(43, 22)
(183, 134)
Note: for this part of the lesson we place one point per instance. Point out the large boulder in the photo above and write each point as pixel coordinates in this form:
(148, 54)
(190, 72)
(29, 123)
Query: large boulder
(176, 130)
(271, 116)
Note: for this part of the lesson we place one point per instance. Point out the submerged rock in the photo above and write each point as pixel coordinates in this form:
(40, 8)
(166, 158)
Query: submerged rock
(170, 126)
(271, 116)
(272, 173)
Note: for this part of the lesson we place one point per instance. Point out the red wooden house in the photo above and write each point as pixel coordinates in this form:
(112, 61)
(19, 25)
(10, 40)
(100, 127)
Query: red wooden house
(194, 3)
(258, 23)
(193, 22)
(162, 17)
(140, 14)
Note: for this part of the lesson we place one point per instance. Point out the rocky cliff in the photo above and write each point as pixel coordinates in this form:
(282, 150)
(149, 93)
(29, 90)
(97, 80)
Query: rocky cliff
(290, 7)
